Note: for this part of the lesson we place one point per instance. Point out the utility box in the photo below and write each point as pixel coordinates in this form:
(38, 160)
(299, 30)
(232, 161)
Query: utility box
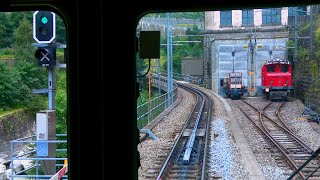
(42, 126)
(46, 131)
(149, 44)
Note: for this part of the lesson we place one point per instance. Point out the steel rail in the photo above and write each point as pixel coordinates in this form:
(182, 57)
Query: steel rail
(164, 166)
(186, 156)
(206, 140)
(281, 126)
(285, 127)
(269, 136)
(289, 129)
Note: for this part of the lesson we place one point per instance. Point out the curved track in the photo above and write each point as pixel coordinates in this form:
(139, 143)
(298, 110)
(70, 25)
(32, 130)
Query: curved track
(187, 158)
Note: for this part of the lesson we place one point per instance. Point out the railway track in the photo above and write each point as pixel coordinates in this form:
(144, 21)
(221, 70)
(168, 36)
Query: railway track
(186, 159)
(287, 148)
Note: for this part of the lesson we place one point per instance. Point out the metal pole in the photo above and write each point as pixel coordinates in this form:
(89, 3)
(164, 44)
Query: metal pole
(171, 68)
(159, 79)
(149, 95)
(252, 67)
(51, 88)
(206, 64)
(295, 34)
(168, 58)
(233, 54)
(311, 31)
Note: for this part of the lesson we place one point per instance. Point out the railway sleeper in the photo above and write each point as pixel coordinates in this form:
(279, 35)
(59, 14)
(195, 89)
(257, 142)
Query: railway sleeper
(158, 162)
(311, 166)
(177, 167)
(282, 164)
(152, 176)
(162, 155)
(153, 170)
(178, 176)
(185, 171)
(309, 172)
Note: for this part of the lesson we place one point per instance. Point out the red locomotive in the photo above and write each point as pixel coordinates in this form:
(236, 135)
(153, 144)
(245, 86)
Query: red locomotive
(276, 78)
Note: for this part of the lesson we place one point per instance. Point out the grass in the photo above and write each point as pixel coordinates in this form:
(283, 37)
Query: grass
(11, 111)
(6, 56)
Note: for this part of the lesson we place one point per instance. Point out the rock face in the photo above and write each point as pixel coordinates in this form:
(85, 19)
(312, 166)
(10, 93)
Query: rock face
(13, 126)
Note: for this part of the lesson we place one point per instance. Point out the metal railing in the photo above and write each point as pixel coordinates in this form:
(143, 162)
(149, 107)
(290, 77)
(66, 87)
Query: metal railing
(34, 170)
(148, 111)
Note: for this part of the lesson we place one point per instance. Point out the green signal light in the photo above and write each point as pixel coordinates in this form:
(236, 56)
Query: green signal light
(44, 20)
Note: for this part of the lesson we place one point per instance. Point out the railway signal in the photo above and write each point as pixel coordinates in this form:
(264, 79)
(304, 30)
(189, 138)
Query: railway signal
(44, 26)
(46, 56)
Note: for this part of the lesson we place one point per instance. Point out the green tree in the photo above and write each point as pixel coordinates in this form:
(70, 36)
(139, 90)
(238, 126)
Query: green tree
(23, 41)
(13, 19)
(4, 31)
(187, 49)
(60, 30)
(12, 90)
(196, 47)
(61, 103)
(33, 76)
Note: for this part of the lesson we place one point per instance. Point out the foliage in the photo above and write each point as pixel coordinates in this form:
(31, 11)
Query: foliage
(17, 80)
(33, 76)
(6, 53)
(10, 20)
(186, 15)
(303, 53)
(317, 36)
(60, 30)
(12, 90)
(36, 103)
(144, 95)
(189, 49)
(22, 41)
(61, 102)
(141, 65)
(143, 98)
(60, 55)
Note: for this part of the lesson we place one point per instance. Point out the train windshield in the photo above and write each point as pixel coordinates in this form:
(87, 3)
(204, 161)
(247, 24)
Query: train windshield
(270, 68)
(284, 68)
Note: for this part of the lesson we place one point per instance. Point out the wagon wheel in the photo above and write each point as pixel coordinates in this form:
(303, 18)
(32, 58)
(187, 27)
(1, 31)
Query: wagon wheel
(268, 95)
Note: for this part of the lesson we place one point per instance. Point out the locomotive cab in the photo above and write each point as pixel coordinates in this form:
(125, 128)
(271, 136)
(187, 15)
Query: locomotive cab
(277, 78)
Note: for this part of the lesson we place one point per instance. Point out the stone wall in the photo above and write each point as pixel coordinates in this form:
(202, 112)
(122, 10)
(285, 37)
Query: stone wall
(16, 125)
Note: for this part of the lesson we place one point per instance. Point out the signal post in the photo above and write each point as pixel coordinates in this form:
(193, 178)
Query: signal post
(44, 32)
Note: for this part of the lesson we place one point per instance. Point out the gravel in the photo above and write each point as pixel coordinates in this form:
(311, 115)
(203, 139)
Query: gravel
(223, 160)
(165, 131)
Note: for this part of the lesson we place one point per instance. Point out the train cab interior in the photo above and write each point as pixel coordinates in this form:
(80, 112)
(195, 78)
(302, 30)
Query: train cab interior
(101, 76)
